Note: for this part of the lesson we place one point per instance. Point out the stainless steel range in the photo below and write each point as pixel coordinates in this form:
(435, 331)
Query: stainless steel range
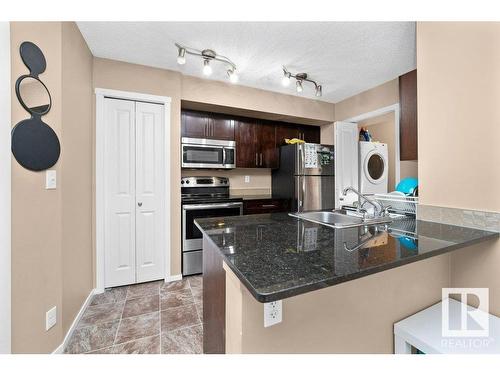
(202, 197)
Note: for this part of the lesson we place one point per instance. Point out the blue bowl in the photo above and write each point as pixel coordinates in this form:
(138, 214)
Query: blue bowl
(407, 185)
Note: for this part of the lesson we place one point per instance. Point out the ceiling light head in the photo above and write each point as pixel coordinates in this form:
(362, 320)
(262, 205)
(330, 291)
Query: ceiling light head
(319, 91)
(286, 78)
(207, 69)
(299, 86)
(181, 58)
(233, 77)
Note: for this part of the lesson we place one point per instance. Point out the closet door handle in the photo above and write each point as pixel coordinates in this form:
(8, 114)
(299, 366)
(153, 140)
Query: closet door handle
(139, 204)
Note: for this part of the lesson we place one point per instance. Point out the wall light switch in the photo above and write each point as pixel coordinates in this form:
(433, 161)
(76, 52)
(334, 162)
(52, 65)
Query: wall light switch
(51, 318)
(50, 179)
(247, 179)
(272, 313)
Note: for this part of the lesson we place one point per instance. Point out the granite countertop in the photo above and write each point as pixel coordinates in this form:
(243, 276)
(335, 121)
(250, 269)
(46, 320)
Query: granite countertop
(278, 256)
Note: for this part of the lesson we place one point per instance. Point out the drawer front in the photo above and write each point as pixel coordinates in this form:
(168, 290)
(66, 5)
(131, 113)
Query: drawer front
(263, 206)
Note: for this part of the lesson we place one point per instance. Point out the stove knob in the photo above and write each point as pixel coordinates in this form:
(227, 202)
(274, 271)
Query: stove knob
(187, 182)
(182, 181)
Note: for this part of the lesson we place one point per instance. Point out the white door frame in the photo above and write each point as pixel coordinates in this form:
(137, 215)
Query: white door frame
(5, 190)
(379, 112)
(101, 94)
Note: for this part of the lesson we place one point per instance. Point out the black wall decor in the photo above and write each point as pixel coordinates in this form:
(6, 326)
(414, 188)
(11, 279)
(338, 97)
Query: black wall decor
(34, 144)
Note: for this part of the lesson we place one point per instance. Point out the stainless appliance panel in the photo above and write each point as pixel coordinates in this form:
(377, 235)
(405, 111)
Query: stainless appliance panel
(315, 192)
(208, 153)
(324, 159)
(192, 262)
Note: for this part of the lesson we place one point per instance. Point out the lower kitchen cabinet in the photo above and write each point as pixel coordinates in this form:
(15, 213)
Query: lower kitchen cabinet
(264, 206)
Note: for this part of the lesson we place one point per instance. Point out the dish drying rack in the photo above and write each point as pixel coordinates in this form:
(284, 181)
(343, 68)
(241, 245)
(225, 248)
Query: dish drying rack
(400, 204)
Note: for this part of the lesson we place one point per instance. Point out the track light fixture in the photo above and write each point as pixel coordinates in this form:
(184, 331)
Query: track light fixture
(208, 56)
(300, 77)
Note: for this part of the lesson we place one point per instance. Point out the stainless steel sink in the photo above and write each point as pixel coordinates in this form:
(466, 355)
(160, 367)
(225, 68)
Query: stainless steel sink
(339, 218)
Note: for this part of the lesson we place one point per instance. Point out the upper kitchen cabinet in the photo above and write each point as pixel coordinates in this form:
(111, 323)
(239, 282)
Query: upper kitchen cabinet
(194, 124)
(286, 131)
(309, 134)
(207, 125)
(408, 116)
(256, 144)
(221, 127)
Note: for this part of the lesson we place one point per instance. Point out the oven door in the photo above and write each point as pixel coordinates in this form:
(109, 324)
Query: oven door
(191, 235)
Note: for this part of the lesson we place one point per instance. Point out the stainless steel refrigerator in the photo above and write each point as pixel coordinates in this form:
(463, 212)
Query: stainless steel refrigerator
(306, 176)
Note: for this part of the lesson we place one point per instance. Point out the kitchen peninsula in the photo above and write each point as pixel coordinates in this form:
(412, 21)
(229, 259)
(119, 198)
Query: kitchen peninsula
(335, 297)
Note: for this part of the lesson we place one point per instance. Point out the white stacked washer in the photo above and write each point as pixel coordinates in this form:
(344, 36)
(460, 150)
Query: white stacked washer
(373, 167)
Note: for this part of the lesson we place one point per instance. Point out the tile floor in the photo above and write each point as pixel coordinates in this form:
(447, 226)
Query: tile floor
(148, 318)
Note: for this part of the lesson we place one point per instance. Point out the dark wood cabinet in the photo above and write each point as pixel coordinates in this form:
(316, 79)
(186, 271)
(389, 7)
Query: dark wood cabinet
(207, 125)
(257, 141)
(311, 134)
(286, 131)
(256, 144)
(408, 144)
(264, 206)
(194, 124)
(246, 150)
(221, 127)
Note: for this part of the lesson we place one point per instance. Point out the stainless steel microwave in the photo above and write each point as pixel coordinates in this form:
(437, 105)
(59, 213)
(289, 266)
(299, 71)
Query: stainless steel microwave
(208, 153)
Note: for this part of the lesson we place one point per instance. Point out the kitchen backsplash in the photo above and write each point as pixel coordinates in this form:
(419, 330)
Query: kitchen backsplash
(259, 183)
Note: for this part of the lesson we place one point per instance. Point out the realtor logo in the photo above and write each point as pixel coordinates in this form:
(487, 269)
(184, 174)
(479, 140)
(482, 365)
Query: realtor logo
(462, 320)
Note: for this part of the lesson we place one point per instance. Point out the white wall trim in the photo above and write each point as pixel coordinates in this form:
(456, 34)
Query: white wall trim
(60, 348)
(101, 94)
(5, 191)
(379, 112)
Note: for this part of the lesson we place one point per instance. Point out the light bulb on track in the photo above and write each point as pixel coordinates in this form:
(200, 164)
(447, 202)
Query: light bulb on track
(233, 77)
(299, 87)
(207, 69)
(181, 58)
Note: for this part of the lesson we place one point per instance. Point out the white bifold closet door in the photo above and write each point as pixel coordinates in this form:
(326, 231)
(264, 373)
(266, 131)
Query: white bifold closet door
(134, 185)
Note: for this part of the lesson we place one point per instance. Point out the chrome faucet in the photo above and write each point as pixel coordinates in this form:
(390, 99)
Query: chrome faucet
(379, 209)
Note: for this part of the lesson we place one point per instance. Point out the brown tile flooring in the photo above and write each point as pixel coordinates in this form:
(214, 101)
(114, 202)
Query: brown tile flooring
(147, 318)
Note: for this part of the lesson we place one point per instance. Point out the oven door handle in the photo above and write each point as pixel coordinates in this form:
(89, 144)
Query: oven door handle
(191, 207)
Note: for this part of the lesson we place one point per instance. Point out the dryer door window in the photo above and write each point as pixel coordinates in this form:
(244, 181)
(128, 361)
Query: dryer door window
(375, 167)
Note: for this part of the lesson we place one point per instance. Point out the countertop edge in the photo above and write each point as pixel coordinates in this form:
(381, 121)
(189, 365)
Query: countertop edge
(295, 291)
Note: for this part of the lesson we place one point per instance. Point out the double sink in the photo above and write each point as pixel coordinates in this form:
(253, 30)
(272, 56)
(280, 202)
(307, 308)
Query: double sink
(341, 218)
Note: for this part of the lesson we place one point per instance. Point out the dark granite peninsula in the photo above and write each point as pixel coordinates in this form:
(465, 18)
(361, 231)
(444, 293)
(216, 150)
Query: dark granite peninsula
(278, 257)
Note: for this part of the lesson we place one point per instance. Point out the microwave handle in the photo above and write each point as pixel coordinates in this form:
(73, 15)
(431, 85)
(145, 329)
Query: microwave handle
(224, 155)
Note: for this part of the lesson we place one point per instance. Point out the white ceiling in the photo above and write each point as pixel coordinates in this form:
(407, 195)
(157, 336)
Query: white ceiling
(345, 57)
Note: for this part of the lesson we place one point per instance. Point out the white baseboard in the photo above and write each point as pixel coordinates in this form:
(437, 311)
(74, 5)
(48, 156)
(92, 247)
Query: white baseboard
(173, 278)
(60, 348)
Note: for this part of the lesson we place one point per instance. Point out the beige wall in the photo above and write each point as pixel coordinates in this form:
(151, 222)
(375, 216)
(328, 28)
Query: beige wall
(354, 317)
(36, 212)
(76, 177)
(380, 96)
(458, 130)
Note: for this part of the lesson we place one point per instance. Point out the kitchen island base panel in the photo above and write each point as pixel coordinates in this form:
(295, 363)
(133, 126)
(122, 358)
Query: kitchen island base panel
(353, 317)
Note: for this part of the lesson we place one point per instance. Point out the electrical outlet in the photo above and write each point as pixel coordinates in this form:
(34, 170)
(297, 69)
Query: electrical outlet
(50, 179)
(247, 179)
(272, 313)
(50, 318)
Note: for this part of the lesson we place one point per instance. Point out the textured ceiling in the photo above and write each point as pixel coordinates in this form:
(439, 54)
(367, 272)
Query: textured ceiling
(345, 57)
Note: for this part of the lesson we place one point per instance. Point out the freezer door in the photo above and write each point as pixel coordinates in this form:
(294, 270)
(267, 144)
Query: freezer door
(315, 192)
(314, 159)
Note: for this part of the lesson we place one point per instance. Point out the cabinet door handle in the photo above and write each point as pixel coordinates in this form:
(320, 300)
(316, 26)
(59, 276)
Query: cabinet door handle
(261, 159)
(268, 206)
(256, 159)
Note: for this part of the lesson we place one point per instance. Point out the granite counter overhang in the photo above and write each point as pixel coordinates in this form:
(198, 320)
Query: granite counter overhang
(277, 256)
